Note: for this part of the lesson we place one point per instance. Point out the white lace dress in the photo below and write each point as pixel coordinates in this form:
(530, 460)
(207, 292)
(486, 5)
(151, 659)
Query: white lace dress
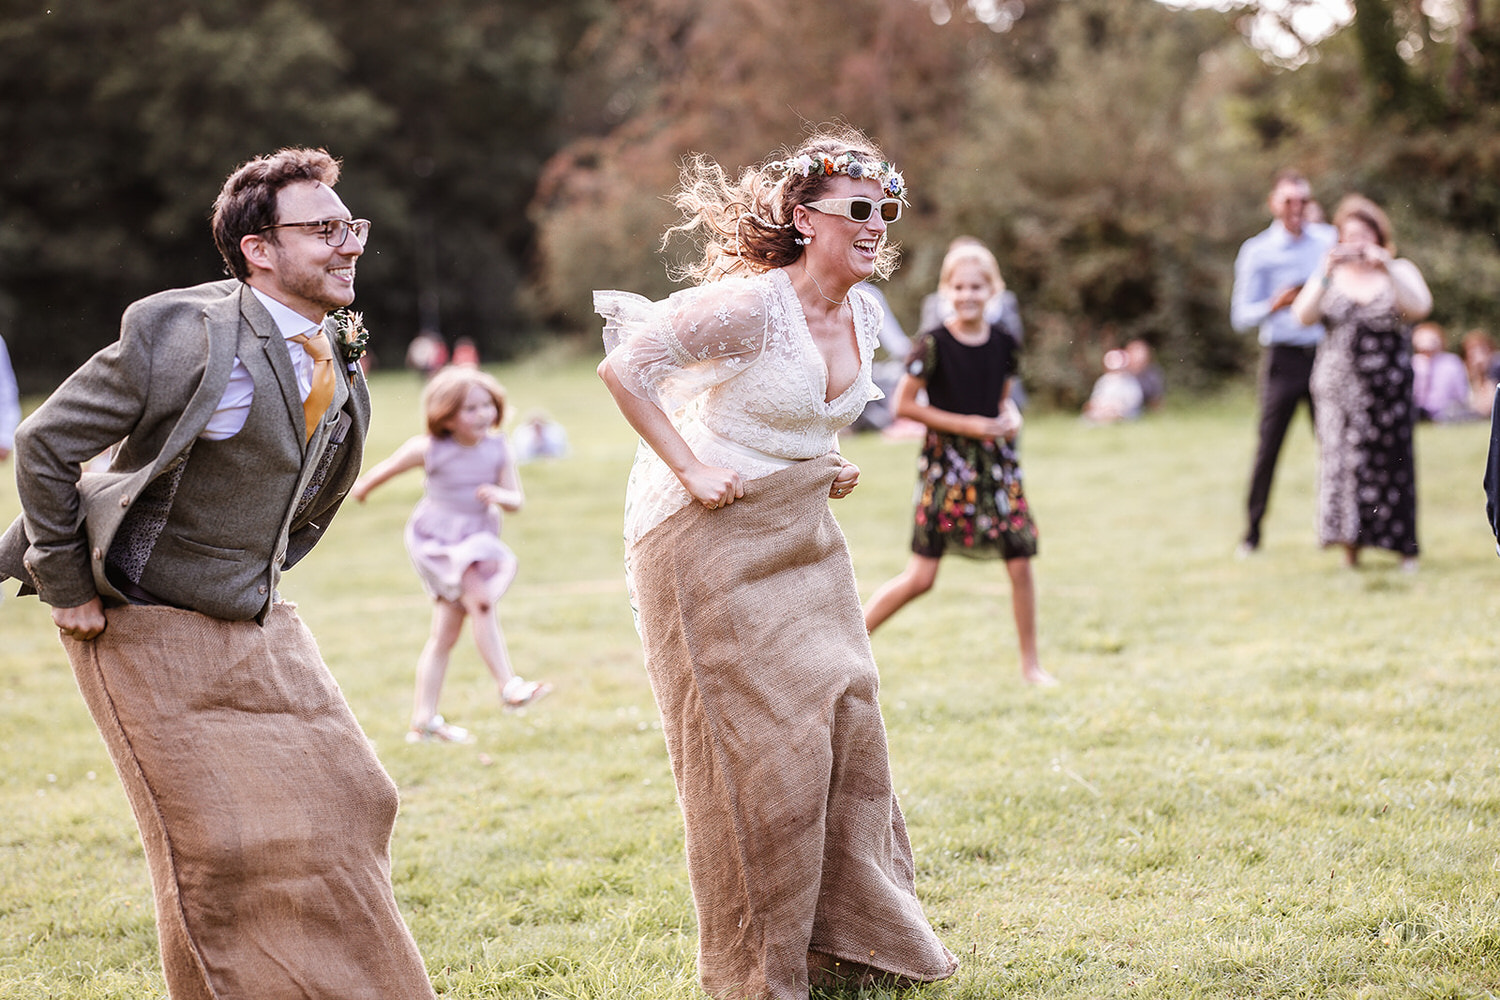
(756, 647)
(734, 366)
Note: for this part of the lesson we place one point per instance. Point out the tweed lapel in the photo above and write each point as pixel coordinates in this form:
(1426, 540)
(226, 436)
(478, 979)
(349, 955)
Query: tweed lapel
(221, 322)
(277, 355)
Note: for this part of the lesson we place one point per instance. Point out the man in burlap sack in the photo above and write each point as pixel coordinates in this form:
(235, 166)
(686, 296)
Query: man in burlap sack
(236, 416)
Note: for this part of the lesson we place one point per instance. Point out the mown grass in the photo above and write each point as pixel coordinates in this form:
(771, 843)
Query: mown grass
(1260, 778)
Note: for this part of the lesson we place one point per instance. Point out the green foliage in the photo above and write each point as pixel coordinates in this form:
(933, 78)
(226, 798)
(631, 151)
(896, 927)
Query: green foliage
(1078, 144)
(1386, 73)
(516, 157)
(130, 119)
(731, 81)
(1088, 185)
(473, 88)
(1267, 778)
(1115, 154)
(1420, 139)
(121, 120)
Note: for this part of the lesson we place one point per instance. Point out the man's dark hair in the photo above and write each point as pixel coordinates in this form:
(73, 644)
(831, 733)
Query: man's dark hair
(1287, 175)
(247, 202)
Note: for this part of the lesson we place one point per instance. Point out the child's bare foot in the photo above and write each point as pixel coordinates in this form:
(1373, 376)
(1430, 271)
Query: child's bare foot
(1034, 674)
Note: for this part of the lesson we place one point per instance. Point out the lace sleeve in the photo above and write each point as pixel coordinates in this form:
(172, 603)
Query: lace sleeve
(671, 351)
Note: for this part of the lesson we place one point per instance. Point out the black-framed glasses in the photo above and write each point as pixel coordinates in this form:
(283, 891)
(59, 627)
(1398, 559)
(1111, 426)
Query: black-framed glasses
(859, 209)
(333, 231)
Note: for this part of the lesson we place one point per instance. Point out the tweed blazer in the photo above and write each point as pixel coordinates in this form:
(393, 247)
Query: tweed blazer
(149, 395)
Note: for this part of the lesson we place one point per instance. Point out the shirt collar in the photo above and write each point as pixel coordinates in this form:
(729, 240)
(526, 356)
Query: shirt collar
(290, 322)
(1284, 235)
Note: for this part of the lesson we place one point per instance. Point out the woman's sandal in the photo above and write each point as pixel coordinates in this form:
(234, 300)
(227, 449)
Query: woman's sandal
(519, 693)
(435, 730)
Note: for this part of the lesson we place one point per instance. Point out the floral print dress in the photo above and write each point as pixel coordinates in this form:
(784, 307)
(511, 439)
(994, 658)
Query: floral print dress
(969, 497)
(1362, 391)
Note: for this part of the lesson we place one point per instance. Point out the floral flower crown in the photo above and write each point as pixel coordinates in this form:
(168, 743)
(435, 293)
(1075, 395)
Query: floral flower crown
(890, 179)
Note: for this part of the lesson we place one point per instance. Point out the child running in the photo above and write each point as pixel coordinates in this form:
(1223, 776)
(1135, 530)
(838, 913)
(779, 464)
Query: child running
(453, 535)
(969, 497)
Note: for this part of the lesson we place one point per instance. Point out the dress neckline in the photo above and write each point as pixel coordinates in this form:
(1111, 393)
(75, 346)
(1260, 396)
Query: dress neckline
(789, 293)
(1386, 291)
(989, 335)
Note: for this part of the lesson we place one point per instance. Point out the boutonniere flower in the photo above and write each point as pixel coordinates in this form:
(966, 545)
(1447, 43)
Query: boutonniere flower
(349, 329)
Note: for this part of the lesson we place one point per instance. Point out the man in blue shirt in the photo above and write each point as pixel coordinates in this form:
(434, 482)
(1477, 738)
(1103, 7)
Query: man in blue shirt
(10, 405)
(1268, 274)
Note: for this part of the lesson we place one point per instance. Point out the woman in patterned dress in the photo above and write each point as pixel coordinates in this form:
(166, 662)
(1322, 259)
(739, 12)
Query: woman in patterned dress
(1367, 299)
(969, 496)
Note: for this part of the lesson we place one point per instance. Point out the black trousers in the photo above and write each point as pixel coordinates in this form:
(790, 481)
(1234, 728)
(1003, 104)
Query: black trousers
(1492, 474)
(1284, 375)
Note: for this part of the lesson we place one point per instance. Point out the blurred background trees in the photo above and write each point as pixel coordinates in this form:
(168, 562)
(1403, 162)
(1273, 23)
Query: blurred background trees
(119, 121)
(514, 157)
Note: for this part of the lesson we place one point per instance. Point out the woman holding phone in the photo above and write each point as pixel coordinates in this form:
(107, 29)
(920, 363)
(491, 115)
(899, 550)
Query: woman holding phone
(1367, 298)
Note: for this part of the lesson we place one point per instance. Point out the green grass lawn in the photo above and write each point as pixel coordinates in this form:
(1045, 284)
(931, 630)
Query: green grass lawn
(1270, 777)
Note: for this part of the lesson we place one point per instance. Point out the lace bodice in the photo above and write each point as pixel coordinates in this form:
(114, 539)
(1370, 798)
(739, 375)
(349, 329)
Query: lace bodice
(734, 366)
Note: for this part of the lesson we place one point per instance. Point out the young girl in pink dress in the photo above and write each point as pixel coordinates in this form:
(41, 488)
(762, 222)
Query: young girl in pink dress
(453, 535)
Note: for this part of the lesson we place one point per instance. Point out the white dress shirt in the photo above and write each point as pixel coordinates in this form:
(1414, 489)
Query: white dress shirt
(234, 409)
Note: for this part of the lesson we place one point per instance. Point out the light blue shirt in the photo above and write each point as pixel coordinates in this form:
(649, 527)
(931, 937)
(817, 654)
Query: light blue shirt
(1269, 262)
(10, 402)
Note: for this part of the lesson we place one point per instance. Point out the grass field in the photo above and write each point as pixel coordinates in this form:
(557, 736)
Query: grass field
(1262, 778)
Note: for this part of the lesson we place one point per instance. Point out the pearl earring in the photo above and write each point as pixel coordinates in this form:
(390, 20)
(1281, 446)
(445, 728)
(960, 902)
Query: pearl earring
(802, 241)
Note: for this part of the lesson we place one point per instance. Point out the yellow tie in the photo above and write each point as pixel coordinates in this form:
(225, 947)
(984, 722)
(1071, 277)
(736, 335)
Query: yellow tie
(323, 380)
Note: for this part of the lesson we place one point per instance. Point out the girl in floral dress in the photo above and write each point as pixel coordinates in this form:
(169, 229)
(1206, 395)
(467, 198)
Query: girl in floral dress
(969, 498)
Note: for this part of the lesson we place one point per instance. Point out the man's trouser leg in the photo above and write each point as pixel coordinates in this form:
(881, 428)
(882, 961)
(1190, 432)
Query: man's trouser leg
(1284, 375)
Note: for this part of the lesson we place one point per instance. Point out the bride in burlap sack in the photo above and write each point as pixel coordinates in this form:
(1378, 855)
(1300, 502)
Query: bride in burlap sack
(741, 579)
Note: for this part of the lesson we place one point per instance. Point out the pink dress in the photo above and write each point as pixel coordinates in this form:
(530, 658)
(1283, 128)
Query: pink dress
(451, 529)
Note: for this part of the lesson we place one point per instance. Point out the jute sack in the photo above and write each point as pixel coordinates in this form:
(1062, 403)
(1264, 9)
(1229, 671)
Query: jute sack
(265, 815)
(761, 666)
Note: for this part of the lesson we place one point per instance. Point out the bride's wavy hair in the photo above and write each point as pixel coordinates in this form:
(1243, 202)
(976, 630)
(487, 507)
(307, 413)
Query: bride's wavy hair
(745, 225)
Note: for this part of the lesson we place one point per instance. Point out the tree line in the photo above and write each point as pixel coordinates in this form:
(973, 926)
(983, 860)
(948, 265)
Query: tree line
(514, 157)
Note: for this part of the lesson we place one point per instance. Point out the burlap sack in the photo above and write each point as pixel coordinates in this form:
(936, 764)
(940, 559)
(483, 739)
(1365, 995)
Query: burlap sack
(761, 667)
(265, 815)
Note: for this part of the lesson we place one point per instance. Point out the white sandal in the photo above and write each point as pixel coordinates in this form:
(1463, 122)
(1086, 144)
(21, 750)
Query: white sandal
(519, 693)
(435, 730)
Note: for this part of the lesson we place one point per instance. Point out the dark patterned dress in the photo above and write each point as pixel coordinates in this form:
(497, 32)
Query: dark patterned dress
(969, 498)
(1362, 390)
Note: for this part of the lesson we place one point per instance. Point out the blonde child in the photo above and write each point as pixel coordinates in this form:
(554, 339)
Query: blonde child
(453, 535)
(969, 497)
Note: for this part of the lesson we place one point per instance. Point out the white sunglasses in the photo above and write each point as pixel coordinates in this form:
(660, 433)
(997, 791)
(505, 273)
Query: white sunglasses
(859, 209)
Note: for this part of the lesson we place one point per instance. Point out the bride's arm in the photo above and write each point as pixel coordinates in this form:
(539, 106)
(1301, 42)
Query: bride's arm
(710, 486)
(664, 354)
